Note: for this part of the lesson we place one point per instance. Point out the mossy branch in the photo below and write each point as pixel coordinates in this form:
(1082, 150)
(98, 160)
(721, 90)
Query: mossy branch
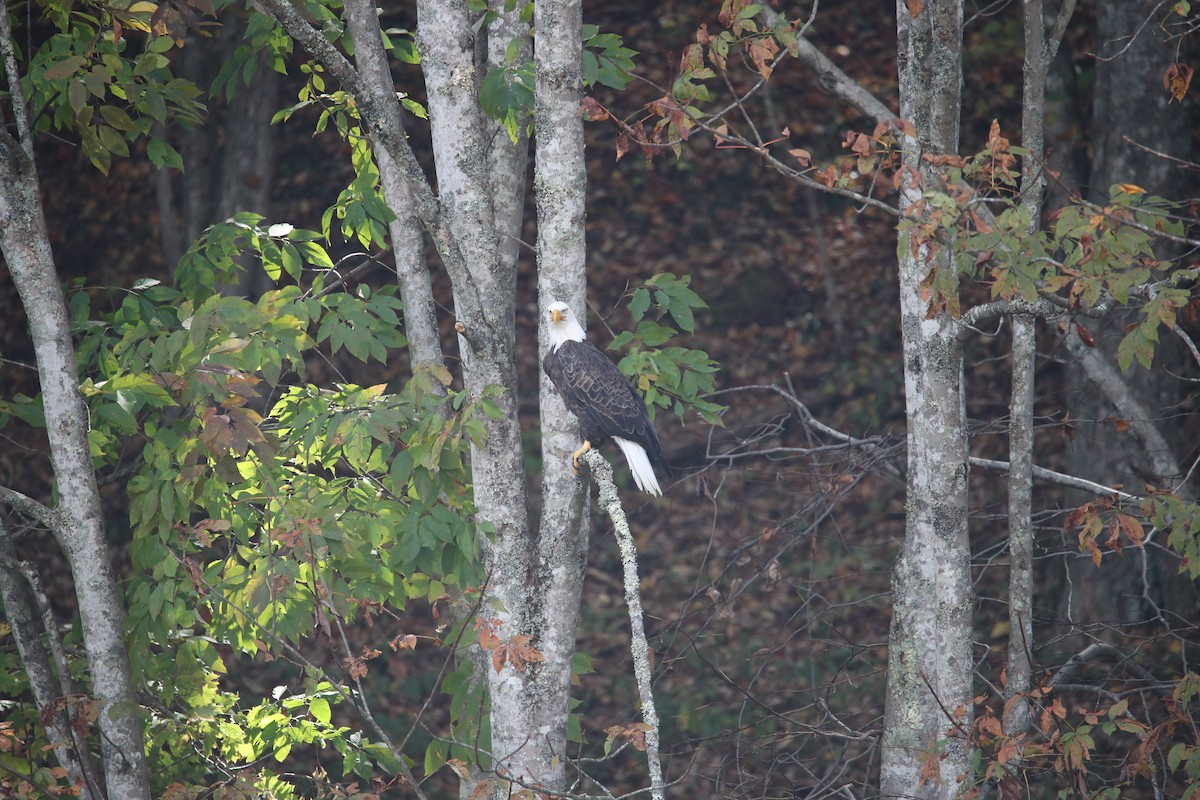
(610, 501)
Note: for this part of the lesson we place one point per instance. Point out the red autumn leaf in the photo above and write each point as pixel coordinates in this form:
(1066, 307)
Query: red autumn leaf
(1085, 335)
(762, 53)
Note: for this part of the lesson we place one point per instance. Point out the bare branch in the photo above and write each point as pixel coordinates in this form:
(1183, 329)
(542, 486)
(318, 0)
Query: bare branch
(1057, 31)
(1062, 479)
(610, 501)
(8, 58)
(29, 507)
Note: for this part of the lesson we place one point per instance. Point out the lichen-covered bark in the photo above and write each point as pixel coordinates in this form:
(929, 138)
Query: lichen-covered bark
(26, 247)
(1038, 54)
(408, 246)
(560, 182)
(930, 666)
(33, 639)
(485, 300)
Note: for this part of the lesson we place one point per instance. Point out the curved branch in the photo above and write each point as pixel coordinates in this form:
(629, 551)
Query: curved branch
(610, 501)
(39, 646)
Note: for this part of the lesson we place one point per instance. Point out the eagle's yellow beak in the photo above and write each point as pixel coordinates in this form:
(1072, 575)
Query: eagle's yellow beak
(557, 316)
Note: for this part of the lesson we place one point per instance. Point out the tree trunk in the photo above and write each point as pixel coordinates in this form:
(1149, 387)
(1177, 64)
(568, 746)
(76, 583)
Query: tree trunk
(408, 245)
(930, 665)
(1038, 56)
(560, 184)
(229, 162)
(25, 245)
(29, 631)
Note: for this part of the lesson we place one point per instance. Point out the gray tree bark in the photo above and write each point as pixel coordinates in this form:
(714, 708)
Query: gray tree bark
(560, 184)
(408, 244)
(1039, 53)
(25, 244)
(472, 222)
(930, 665)
(35, 639)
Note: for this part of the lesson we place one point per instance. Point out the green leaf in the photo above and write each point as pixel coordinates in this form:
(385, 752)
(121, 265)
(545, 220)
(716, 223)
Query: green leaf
(640, 303)
(652, 334)
(162, 154)
(116, 117)
(65, 68)
(315, 254)
(290, 258)
(319, 708)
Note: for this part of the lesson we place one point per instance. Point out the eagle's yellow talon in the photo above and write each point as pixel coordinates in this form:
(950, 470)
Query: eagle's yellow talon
(578, 454)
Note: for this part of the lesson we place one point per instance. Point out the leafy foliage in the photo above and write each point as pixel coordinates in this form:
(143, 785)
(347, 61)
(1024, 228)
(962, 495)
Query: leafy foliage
(673, 377)
(266, 512)
(92, 79)
(507, 90)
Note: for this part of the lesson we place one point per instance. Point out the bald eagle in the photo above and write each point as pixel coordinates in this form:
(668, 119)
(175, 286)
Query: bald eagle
(596, 392)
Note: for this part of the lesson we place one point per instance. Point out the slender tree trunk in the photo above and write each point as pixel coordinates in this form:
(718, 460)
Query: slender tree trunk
(25, 245)
(1038, 56)
(34, 645)
(930, 664)
(560, 185)
(408, 245)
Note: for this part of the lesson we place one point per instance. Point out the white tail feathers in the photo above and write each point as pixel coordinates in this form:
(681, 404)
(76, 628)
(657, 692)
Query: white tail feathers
(639, 465)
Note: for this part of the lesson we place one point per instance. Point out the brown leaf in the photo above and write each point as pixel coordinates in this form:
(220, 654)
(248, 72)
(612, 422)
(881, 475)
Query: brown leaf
(858, 143)
(592, 111)
(914, 7)
(1085, 335)
(406, 642)
(762, 53)
(944, 160)
(623, 146)
(931, 765)
(1177, 79)
(1133, 529)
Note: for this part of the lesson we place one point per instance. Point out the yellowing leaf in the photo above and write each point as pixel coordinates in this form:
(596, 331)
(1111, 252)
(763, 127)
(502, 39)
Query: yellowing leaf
(1177, 79)
(143, 7)
(1129, 188)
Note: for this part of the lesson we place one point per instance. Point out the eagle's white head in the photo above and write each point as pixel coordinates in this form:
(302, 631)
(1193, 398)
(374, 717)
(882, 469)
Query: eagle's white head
(562, 327)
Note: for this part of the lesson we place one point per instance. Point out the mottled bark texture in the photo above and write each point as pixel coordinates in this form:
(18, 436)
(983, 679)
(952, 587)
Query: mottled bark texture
(928, 706)
(25, 245)
(474, 221)
(560, 182)
(404, 232)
